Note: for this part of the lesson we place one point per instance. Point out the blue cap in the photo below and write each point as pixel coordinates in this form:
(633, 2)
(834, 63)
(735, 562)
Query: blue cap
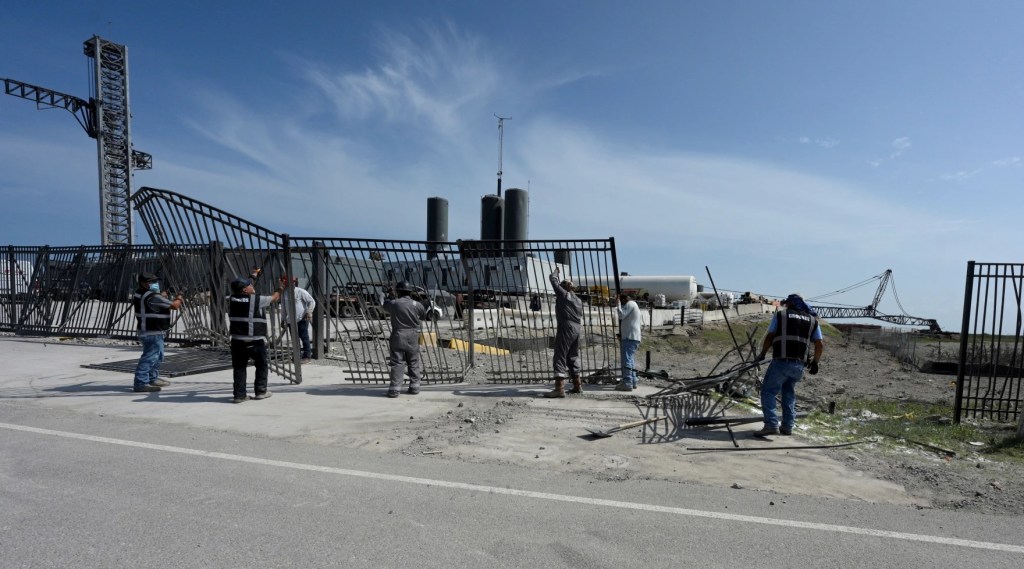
(239, 284)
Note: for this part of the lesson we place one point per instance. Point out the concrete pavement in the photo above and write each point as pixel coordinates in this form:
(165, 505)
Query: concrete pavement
(473, 422)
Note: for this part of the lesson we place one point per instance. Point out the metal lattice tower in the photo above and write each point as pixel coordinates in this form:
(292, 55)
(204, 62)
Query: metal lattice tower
(113, 141)
(107, 118)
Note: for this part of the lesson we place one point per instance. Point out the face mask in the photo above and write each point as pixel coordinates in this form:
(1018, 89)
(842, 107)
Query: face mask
(155, 287)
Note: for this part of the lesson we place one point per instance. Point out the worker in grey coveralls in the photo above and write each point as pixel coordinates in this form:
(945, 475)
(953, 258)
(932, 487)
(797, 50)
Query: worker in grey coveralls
(569, 316)
(406, 315)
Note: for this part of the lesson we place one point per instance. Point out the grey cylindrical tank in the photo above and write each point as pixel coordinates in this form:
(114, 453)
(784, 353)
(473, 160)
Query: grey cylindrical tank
(564, 257)
(437, 224)
(517, 218)
(491, 216)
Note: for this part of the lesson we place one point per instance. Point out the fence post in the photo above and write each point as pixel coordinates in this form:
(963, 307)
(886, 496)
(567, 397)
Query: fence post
(12, 267)
(318, 282)
(964, 329)
(119, 296)
(216, 307)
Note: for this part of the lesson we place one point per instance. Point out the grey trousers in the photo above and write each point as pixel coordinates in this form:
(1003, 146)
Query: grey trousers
(405, 356)
(567, 351)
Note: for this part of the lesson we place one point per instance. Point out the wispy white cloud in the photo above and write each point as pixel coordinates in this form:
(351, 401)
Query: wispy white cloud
(823, 142)
(899, 146)
(428, 82)
(959, 175)
(1011, 161)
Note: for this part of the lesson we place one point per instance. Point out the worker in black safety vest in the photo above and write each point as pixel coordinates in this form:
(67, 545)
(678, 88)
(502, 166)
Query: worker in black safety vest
(248, 328)
(791, 332)
(153, 314)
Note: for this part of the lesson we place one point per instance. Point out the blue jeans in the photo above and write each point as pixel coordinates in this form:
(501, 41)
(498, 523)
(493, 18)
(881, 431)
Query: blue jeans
(148, 369)
(782, 376)
(629, 348)
(307, 350)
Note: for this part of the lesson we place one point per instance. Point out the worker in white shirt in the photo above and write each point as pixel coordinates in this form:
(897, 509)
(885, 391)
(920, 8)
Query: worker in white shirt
(630, 323)
(303, 310)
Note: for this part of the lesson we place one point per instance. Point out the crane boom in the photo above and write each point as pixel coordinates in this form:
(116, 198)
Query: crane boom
(871, 311)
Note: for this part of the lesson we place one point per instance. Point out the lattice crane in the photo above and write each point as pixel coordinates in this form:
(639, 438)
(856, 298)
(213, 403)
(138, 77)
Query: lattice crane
(871, 311)
(107, 118)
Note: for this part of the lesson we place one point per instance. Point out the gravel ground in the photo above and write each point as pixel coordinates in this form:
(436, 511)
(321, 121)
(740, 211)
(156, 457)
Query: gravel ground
(851, 371)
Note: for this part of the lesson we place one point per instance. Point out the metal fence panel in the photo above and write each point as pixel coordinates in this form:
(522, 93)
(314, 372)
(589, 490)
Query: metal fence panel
(991, 362)
(510, 319)
(202, 249)
(350, 278)
(494, 303)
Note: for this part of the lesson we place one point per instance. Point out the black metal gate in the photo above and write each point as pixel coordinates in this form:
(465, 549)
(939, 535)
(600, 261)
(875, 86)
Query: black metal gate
(492, 301)
(991, 362)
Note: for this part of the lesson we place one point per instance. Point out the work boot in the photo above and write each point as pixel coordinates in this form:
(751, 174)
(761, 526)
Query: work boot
(786, 431)
(623, 386)
(766, 431)
(577, 385)
(558, 392)
(146, 388)
(160, 383)
(264, 395)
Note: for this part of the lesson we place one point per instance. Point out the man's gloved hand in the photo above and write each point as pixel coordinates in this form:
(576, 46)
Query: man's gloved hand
(759, 358)
(307, 316)
(813, 368)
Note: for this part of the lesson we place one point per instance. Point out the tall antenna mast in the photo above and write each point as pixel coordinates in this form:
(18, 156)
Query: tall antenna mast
(501, 146)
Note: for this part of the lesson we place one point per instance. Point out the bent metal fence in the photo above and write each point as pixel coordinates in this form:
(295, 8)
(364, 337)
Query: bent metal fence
(494, 303)
(991, 362)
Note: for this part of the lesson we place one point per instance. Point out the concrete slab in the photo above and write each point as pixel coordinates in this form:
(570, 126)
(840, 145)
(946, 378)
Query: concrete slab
(469, 422)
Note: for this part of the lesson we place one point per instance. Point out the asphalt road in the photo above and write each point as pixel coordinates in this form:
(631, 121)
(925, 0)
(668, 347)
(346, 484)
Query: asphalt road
(88, 490)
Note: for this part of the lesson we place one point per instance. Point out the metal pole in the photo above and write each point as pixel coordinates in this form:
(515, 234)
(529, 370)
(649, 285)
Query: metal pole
(501, 148)
(964, 329)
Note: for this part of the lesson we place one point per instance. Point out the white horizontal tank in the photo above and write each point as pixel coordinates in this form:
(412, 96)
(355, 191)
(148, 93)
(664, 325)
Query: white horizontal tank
(674, 287)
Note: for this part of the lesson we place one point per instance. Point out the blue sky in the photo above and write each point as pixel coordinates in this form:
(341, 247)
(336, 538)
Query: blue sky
(787, 146)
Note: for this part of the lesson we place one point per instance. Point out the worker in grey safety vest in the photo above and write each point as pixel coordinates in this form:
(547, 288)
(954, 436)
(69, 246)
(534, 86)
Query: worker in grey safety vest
(791, 333)
(404, 358)
(247, 324)
(568, 318)
(153, 314)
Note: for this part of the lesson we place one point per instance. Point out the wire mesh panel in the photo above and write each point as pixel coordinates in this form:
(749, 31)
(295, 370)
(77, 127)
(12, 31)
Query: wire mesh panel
(510, 306)
(202, 249)
(350, 279)
(991, 362)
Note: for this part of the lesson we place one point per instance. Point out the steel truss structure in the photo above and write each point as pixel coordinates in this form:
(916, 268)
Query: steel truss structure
(106, 116)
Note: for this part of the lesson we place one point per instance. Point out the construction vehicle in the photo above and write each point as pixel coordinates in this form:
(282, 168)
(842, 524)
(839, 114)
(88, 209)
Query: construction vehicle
(597, 295)
(354, 300)
(640, 295)
(752, 298)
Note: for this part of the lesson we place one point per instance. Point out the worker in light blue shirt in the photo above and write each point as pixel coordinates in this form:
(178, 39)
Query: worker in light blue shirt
(630, 326)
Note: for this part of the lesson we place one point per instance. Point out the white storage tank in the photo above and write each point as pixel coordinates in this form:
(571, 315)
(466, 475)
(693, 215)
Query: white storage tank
(678, 287)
